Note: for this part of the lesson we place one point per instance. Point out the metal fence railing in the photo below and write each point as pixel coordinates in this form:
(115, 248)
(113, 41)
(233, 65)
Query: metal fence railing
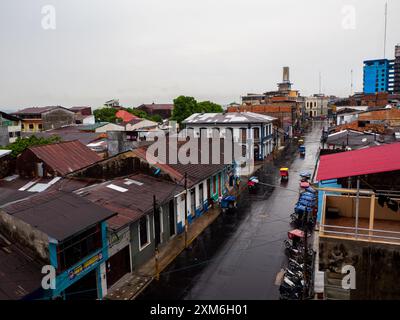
(360, 233)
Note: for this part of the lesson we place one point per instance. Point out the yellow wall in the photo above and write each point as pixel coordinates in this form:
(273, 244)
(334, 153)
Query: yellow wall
(347, 208)
(35, 126)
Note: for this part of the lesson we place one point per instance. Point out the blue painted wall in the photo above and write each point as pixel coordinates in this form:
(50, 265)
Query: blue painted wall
(378, 75)
(325, 184)
(63, 280)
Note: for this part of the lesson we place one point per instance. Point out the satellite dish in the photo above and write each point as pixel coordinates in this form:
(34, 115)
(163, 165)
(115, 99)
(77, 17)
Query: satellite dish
(364, 140)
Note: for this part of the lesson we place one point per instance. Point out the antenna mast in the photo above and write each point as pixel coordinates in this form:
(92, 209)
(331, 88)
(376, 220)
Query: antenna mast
(384, 37)
(351, 87)
(320, 81)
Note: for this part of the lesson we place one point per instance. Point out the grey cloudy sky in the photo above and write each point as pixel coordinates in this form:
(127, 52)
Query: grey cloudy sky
(142, 51)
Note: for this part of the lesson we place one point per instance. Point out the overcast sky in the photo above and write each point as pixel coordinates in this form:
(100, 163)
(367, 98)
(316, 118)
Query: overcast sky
(142, 51)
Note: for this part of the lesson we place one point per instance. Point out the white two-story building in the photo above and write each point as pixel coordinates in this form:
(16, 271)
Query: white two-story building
(242, 126)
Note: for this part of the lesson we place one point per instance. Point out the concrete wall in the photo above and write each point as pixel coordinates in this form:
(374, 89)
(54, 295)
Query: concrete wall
(25, 235)
(140, 256)
(57, 118)
(7, 166)
(347, 208)
(117, 142)
(119, 165)
(4, 138)
(377, 266)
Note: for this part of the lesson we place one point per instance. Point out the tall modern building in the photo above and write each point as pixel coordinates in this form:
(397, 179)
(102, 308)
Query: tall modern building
(396, 77)
(378, 76)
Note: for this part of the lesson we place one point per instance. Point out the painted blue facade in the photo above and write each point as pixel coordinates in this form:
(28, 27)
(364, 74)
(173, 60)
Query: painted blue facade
(325, 184)
(200, 210)
(76, 272)
(378, 76)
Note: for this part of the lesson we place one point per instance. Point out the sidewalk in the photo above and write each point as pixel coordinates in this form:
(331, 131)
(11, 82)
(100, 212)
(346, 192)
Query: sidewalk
(132, 284)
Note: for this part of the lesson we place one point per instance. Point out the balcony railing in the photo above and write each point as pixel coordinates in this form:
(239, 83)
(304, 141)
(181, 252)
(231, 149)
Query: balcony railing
(363, 234)
(358, 218)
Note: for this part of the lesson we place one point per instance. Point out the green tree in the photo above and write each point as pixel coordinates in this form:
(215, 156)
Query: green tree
(210, 107)
(138, 113)
(105, 114)
(156, 118)
(21, 144)
(184, 107)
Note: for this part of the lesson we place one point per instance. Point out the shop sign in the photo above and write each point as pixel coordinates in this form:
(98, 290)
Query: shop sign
(84, 266)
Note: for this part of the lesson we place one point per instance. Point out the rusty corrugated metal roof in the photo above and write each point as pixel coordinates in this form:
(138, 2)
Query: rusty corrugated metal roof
(69, 133)
(65, 157)
(38, 110)
(20, 271)
(130, 197)
(176, 170)
(58, 214)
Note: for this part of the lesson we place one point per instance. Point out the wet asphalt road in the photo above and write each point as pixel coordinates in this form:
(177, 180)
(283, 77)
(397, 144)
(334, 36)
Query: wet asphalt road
(240, 255)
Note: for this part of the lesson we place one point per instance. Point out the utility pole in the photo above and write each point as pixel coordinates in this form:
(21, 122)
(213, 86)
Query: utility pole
(186, 209)
(351, 86)
(305, 264)
(156, 257)
(320, 80)
(357, 205)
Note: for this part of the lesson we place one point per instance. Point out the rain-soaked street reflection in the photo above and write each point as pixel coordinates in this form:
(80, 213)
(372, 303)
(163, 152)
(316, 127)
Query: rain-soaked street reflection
(240, 255)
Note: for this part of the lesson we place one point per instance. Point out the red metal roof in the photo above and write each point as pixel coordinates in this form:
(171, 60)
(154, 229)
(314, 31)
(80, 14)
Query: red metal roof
(359, 162)
(125, 115)
(66, 157)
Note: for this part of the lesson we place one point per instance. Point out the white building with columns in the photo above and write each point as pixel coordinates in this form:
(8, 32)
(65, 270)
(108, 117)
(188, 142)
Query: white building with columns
(242, 126)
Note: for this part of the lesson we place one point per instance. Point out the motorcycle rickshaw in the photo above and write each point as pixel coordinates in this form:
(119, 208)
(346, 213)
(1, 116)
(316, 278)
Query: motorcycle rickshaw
(284, 173)
(228, 204)
(307, 203)
(295, 237)
(304, 184)
(252, 184)
(311, 190)
(305, 175)
(299, 212)
(302, 150)
(308, 198)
